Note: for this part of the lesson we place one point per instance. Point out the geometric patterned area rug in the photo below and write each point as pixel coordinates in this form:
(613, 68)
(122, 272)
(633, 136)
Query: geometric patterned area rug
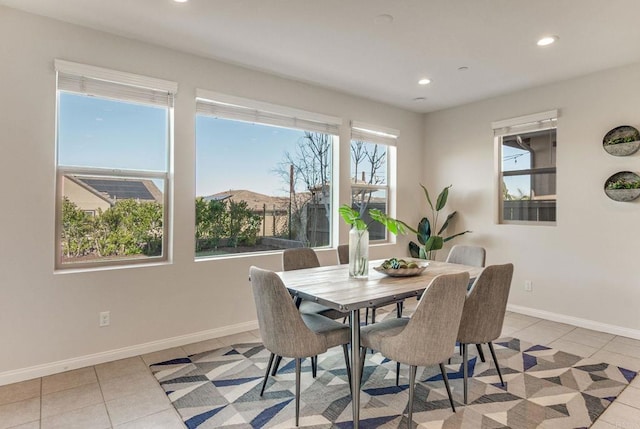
(544, 388)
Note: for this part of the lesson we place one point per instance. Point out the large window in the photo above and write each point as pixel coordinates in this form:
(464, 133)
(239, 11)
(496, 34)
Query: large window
(113, 134)
(371, 147)
(263, 176)
(527, 160)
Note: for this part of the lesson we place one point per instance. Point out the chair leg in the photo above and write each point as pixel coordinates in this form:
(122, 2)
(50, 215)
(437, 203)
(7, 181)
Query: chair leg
(266, 374)
(465, 370)
(366, 316)
(412, 380)
(314, 366)
(276, 365)
(493, 355)
(345, 349)
(399, 308)
(446, 384)
(397, 373)
(298, 364)
(480, 352)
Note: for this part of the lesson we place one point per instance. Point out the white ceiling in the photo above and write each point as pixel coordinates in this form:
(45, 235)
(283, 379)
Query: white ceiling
(342, 44)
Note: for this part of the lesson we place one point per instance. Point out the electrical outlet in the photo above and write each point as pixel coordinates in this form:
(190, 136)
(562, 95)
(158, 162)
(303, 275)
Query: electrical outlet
(528, 286)
(105, 318)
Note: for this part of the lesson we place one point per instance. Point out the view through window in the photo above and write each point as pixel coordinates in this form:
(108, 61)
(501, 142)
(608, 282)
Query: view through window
(529, 176)
(260, 187)
(112, 172)
(369, 183)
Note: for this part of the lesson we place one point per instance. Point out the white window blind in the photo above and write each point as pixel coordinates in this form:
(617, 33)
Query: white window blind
(240, 109)
(90, 80)
(374, 133)
(524, 124)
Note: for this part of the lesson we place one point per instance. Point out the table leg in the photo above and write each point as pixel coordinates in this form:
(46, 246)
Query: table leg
(355, 367)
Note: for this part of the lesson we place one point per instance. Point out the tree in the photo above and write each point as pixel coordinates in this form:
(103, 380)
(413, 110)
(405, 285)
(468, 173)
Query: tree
(376, 157)
(311, 163)
(211, 221)
(229, 219)
(129, 227)
(358, 155)
(243, 224)
(132, 228)
(76, 228)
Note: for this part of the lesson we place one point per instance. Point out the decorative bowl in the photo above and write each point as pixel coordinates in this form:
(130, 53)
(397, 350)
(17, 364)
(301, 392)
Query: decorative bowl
(402, 272)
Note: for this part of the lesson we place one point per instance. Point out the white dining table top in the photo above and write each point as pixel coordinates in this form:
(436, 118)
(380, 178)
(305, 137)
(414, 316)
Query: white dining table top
(331, 285)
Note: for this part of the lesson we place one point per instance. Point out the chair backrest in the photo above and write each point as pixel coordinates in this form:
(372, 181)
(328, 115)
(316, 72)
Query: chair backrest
(467, 255)
(299, 258)
(486, 304)
(283, 331)
(430, 334)
(343, 253)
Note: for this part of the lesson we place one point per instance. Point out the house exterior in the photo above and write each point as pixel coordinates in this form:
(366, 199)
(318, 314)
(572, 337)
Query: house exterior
(93, 194)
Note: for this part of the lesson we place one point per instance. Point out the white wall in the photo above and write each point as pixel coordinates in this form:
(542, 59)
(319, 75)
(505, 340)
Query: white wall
(585, 269)
(49, 321)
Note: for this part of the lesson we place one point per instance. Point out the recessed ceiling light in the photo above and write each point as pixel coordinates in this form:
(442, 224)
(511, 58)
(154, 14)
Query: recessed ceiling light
(385, 18)
(180, 1)
(424, 81)
(548, 40)
(463, 68)
(419, 99)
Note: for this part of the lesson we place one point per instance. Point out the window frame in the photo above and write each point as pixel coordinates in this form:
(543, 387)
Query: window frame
(514, 126)
(379, 135)
(140, 86)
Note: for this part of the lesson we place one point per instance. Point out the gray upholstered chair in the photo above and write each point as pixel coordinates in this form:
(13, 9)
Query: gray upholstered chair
(298, 258)
(287, 332)
(428, 337)
(483, 314)
(343, 254)
(305, 257)
(467, 255)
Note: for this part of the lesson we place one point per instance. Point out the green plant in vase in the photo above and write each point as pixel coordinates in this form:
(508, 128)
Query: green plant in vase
(359, 236)
(429, 242)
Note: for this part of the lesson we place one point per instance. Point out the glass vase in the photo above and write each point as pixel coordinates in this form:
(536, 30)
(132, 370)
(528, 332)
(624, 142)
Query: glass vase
(358, 253)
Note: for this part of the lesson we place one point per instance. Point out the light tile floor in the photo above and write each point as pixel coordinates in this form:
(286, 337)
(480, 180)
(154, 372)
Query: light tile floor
(124, 394)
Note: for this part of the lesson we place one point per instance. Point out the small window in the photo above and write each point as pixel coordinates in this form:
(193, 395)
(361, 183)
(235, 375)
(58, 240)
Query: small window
(264, 176)
(112, 167)
(527, 163)
(370, 153)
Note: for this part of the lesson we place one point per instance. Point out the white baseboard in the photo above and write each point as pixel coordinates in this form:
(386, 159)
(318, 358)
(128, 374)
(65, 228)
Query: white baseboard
(36, 371)
(576, 321)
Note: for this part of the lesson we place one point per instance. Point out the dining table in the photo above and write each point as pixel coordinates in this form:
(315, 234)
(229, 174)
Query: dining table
(333, 287)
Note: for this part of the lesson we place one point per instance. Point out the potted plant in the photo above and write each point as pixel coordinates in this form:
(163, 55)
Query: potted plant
(622, 141)
(359, 236)
(624, 186)
(430, 243)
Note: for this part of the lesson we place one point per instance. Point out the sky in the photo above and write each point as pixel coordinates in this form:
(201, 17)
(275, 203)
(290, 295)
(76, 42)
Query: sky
(96, 132)
(516, 159)
(220, 165)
